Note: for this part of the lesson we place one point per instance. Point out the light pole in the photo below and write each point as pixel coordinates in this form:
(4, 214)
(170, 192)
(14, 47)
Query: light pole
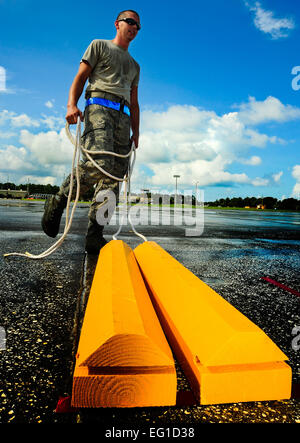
(146, 192)
(196, 193)
(176, 177)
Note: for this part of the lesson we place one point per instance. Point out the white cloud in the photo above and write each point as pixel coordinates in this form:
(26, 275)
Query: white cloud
(271, 109)
(206, 173)
(195, 143)
(22, 120)
(13, 158)
(177, 118)
(17, 121)
(296, 172)
(5, 116)
(296, 191)
(266, 22)
(48, 148)
(201, 145)
(296, 175)
(253, 161)
(52, 122)
(49, 104)
(7, 134)
(14, 120)
(46, 153)
(277, 177)
(260, 181)
(40, 180)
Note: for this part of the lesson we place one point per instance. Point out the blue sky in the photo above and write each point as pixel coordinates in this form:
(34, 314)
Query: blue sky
(220, 105)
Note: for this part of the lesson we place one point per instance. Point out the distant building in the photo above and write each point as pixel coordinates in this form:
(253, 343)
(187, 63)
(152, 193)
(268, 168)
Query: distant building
(42, 196)
(12, 193)
(16, 193)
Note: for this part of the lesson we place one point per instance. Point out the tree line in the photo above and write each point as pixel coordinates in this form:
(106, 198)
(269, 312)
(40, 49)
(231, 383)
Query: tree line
(31, 188)
(254, 202)
(235, 202)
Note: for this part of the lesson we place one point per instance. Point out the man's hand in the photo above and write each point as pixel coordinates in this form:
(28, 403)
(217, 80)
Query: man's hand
(75, 92)
(135, 139)
(72, 114)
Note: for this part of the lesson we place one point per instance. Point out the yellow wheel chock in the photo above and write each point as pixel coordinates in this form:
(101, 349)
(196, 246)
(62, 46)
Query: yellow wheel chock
(123, 358)
(225, 356)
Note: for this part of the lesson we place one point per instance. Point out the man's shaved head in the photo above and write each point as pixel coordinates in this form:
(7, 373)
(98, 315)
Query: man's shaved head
(122, 14)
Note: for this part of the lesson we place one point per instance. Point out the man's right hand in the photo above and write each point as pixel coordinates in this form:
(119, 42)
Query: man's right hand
(75, 92)
(72, 114)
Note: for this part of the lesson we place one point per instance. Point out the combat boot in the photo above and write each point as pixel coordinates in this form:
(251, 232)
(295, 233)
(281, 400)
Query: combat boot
(94, 238)
(53, 211)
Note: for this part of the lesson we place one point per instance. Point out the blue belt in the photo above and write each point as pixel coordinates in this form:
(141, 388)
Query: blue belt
(108, 104)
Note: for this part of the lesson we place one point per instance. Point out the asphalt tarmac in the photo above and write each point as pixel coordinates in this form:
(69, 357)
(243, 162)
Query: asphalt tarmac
(42, 304)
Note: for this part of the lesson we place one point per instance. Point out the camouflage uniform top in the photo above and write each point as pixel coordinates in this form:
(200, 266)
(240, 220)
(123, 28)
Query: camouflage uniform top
(113, 69)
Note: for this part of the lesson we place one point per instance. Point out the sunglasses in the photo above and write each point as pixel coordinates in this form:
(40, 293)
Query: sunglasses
(131, 22)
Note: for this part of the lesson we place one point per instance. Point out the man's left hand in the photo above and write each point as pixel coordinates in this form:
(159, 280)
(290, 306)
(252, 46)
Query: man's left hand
(135, 139)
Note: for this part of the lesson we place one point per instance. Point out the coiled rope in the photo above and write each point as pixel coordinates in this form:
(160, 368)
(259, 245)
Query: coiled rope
(78, 149)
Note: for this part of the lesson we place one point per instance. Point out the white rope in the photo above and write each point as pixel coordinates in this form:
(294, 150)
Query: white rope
(127, 196)
(76, 158)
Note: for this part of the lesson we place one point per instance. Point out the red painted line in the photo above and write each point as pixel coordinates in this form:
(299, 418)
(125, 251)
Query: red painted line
(280, 285)
(64, 406)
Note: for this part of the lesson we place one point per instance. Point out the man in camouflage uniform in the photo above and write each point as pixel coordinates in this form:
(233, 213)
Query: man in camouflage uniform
(111, 110)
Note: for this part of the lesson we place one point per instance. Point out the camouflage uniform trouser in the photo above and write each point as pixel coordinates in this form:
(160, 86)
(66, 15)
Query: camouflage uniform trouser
(105, 130)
